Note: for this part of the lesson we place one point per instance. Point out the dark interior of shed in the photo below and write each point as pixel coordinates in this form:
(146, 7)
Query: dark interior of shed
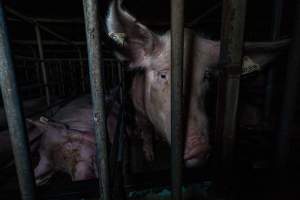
(60, 25)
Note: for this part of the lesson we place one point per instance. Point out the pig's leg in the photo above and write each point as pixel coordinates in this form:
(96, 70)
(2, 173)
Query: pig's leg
(83, 171)
(43, 167)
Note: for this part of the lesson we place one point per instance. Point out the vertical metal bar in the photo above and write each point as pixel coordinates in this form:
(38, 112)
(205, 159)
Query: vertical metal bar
(275, 33)
(62, 78)
(14, 114)
(291, 94)
(81, 71)
(232, 36)
(43, 66)
(72, 78)
(177, 40)
(92, 26)
(37, 69)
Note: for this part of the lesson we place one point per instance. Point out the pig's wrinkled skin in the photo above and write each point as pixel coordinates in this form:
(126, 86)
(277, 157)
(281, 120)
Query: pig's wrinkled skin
(150, 91)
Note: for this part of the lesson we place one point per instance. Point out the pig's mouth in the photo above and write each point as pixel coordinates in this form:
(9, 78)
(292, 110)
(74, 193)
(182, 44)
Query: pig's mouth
(196, 152)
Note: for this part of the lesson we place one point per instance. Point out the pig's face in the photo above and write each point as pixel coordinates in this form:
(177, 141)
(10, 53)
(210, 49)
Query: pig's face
(151, 52)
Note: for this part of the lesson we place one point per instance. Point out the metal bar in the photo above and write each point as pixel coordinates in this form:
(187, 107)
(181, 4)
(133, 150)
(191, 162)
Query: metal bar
(58, 59)
(82, 75)
(290, 96)
(37, 70)
(92, 26)
(62, 80)
(48, 20)
(205, 14)
(275, 33)
(47, 42)
(177, 40)
(232, 36)
(14, 114)
(43, 66)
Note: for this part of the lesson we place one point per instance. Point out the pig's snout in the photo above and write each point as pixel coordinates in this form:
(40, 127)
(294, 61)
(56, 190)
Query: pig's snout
(196, 150)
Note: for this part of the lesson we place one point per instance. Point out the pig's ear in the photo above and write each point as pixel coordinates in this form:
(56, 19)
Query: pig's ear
(259, 54)
(257, 61)
(37, 124)
(136, 43)
(43, 126)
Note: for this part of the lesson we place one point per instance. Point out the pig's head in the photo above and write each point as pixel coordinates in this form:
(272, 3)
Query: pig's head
(149, 51)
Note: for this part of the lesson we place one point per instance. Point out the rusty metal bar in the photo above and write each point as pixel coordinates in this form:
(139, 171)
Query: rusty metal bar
(290, 96)
(232, 36)
(14, 114)
(43, 66)
(177, 40)
(92, 26)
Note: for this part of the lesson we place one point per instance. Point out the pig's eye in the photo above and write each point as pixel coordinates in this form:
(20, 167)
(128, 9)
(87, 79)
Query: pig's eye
(163, 75)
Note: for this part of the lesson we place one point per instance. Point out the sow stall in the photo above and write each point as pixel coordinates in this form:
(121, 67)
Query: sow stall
(39, 79)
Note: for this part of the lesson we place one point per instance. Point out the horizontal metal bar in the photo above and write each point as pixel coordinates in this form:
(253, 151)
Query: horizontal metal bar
(34, 86)
(50, 20)
(59, 59)
(42, 27)
(47, 42)
(14, 114)
(177, 40)
(92, 26)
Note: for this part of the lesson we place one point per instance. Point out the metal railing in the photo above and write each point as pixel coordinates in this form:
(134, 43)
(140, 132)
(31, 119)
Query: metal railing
(230, 62)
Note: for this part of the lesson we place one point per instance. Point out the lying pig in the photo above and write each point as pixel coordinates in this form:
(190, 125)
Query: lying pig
(68, 141)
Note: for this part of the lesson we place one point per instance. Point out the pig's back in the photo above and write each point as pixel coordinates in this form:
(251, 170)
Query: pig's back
(77, 114)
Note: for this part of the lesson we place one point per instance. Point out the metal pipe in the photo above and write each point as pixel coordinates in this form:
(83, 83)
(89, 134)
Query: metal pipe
(290, 96)
(177, 40)
(205, 14)
(275, 34)
(48, 42)
(43, 66)
(49, 20)
(92, 26)
(232, 36)
(81, 71)
(14, 114)
(57, 59)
